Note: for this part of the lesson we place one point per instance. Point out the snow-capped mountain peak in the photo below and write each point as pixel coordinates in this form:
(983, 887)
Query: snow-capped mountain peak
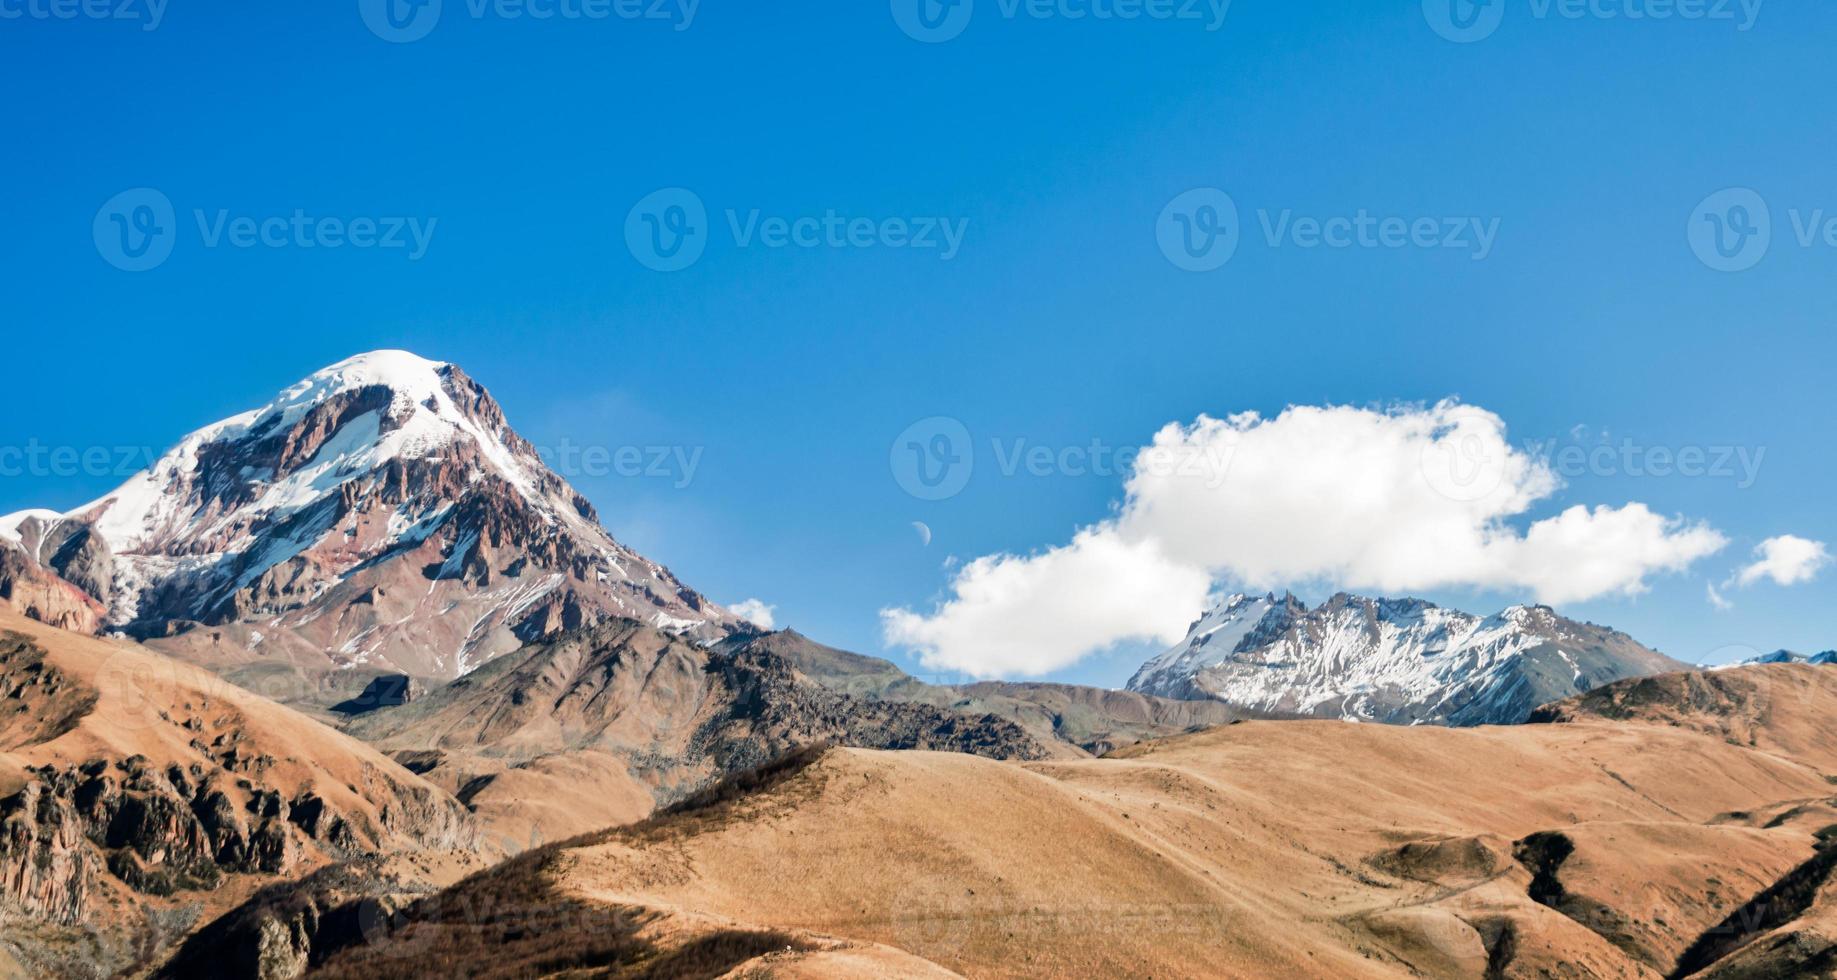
(1391, 660)
(1826, 658)
(388, 489)
(369, 410)
(1211, 638)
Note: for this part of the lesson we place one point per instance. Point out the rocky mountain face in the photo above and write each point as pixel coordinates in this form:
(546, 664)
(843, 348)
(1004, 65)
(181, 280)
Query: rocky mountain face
(1396, 661)
(40, 592)
(136, 792)
(620, 718)
(1073, 720)
(380, 516)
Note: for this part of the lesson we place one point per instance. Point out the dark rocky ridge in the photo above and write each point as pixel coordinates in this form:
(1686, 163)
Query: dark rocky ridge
(706, 713)
(1092, 720)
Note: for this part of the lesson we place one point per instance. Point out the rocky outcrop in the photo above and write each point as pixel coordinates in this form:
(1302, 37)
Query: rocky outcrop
(39, 593)
(1074, 720)
(159, 832)
(289, 927)
(46, 871)
(770, 709)
(386, 691)
(80, 556)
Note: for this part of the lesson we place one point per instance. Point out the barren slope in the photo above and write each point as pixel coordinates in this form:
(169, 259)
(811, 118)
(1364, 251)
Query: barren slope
(140, 796)
(1589, 849)
(600, 726)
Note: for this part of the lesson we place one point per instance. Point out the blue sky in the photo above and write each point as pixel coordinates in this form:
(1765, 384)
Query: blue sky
(1055, 143)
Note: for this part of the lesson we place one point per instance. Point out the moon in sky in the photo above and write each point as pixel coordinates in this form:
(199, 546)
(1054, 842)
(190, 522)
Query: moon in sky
(924, 532)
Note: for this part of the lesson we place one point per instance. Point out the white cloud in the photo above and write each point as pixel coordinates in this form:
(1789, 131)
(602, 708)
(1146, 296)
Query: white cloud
(1716, 599)
(1033, 615)
(755, 612)
(1388, 501)
(1787, 560)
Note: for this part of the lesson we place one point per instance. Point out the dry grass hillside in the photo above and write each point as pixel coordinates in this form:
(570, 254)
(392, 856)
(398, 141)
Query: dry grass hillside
(140, 798)
(602, 725)
(1636, 844)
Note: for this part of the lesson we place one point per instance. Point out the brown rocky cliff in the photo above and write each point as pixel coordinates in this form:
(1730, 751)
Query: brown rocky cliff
(36, 592)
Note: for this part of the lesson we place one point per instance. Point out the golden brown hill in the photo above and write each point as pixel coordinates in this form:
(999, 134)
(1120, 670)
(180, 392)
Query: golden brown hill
(602, 724)
(140, 796)
(1631, 847)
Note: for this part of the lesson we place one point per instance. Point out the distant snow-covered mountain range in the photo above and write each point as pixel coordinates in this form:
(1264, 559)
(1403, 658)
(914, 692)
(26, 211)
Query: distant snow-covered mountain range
(1397, 661)
(1826, 658)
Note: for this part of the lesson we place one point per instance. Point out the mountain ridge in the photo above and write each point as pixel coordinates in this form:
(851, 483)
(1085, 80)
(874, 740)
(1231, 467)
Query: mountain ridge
(1397, 661)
